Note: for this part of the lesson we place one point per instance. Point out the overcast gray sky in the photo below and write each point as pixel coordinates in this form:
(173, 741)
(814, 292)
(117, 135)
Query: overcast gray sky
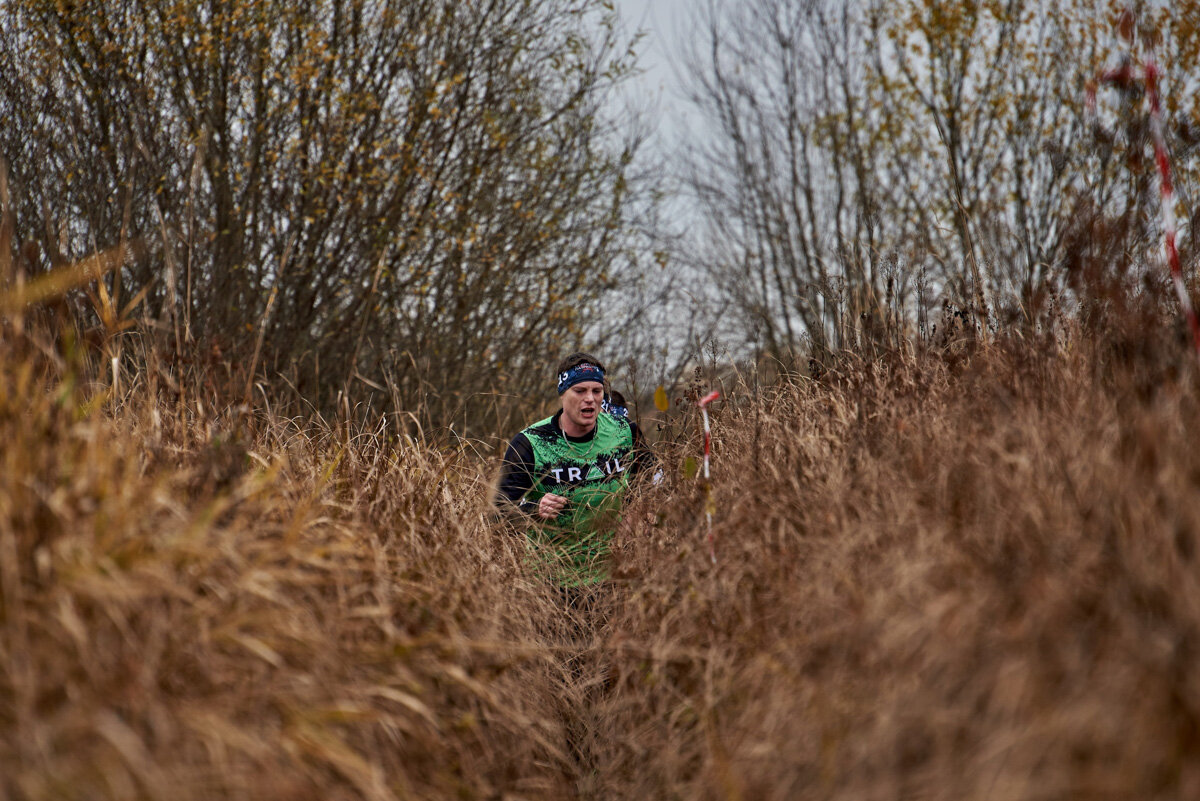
(665, 23)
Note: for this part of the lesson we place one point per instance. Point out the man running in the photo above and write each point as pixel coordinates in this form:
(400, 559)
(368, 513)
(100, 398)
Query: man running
(567, 475)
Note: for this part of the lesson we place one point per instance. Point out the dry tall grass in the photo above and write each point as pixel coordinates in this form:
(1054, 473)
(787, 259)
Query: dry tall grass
(938, 580)
(948, 578)
(310, 614)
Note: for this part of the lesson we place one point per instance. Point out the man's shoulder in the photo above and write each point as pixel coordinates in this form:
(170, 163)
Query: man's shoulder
(616, 426)
(543, 430)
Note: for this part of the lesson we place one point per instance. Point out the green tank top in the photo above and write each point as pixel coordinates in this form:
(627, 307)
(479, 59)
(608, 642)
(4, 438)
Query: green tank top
(592, 476)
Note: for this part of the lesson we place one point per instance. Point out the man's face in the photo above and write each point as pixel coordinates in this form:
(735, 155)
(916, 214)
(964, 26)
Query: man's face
(581, 404)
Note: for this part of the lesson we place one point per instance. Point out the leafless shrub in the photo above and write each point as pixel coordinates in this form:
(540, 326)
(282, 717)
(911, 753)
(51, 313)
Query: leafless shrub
(862, 161)
(397, 203)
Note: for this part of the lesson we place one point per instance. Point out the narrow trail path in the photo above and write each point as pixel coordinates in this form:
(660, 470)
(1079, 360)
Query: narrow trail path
(585, 678)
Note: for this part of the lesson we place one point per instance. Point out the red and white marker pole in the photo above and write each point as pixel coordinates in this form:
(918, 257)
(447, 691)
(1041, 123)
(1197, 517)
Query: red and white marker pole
(709, 507)
(1167, 193)
(1124, 77)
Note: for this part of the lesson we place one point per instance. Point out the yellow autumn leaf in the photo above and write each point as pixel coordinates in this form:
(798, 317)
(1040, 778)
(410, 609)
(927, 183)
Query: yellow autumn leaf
(661, 402)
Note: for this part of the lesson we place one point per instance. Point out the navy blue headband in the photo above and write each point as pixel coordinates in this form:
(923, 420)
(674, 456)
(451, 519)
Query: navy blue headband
(579, 374)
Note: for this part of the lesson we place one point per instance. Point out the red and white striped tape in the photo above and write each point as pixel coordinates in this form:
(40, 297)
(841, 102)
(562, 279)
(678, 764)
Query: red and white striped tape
(1167, 193)
(708, 501)
(1126, 77)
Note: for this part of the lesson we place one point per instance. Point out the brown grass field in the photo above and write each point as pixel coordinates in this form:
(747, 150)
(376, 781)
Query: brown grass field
(964, 574)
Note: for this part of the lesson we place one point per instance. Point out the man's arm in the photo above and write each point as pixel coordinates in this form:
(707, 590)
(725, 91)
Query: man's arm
(516, 477)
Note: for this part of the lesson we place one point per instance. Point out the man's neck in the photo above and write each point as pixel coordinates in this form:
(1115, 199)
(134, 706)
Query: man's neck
(571, 430)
